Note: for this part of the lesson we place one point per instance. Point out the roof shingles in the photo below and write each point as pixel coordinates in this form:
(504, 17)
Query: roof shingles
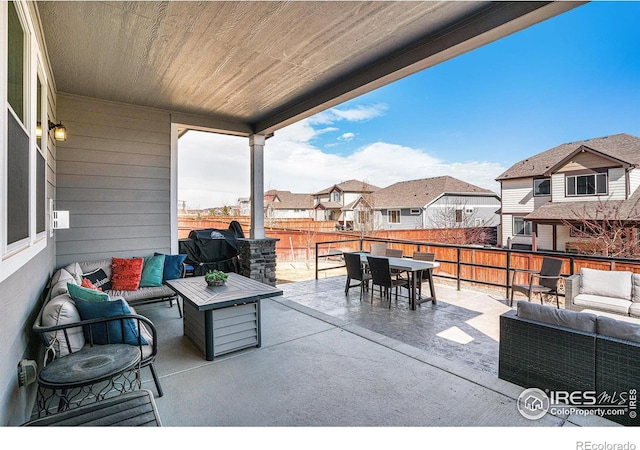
(622, 146)
(418, 193)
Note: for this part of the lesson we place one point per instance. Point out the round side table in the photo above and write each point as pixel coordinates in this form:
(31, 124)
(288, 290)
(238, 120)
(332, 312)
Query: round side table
(88, 375)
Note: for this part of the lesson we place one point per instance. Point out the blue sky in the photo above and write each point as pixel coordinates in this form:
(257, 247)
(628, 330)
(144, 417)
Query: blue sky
(572, 77)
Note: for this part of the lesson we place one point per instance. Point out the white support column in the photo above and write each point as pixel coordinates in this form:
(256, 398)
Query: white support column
(256, 143)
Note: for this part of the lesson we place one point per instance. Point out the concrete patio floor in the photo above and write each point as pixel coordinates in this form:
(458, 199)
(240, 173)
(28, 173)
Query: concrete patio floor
(330, 360)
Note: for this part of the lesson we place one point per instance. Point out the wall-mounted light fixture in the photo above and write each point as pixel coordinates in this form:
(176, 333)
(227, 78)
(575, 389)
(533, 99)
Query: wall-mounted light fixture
(59, 131)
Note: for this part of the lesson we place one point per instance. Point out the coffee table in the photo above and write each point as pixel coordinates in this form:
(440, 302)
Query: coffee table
(222, 319)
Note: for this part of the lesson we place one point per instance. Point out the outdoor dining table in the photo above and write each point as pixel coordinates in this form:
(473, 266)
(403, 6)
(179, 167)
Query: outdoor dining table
(414, 268)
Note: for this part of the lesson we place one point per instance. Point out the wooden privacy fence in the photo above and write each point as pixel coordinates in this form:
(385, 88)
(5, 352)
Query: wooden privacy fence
(297, 237)
(483, 265)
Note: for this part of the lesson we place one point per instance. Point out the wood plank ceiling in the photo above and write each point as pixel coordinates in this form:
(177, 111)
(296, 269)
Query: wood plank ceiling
(254, 67)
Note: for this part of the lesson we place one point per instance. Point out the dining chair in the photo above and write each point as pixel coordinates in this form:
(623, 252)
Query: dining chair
(355, 272)
(381, 276)
(547, 280)
(423, 256)
(378, 249)
(394, 253)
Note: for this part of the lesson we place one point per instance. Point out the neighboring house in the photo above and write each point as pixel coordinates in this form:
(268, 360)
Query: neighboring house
(568, 184)
(244, 206)
(336, 202)
(439, 202)
(287, 205)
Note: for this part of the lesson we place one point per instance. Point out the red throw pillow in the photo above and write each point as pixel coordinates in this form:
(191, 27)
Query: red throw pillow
(126, 273)
(86, 283)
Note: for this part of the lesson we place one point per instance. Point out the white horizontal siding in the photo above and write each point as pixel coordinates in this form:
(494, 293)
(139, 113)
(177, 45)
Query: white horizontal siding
(562, 236)
(634, 180)
(544, 237)
(517, 195)
(617, 184)
(558, 187)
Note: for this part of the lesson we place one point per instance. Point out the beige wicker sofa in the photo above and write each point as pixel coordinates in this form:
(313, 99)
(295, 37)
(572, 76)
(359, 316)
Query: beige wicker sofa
(611, 291)
(140, 296)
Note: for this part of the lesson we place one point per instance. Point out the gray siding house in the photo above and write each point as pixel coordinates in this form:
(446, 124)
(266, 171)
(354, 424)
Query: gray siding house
(438, 202)
(127, 78)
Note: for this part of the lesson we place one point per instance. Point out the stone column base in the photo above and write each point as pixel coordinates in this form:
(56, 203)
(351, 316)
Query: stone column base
(258, 259)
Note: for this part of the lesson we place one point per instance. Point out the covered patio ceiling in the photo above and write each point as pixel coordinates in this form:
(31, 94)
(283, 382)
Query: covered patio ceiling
(254, 67)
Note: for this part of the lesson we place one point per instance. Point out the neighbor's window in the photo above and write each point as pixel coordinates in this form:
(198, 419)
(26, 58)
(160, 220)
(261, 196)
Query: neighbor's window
(364, 217)
(542, 186)
(336, 196)
(459, 218)
(415, 211)
(578, 231)
(521, 227)
(393, 216)
(591, 184)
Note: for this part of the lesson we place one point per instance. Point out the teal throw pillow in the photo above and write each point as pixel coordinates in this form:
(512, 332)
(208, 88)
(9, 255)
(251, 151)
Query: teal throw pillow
(152, 271)
(124, 331)
(173, 266)
(91, 295)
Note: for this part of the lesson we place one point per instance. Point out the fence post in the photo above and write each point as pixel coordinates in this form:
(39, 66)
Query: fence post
(507, 274)
(458, 264)
(572, 265)
(317, 260)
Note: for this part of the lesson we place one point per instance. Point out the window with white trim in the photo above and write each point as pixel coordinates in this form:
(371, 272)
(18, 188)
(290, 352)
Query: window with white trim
(23, 131)
(393, 216)
(41, 159)
(17, 158)
(521, 227)
(588, 184)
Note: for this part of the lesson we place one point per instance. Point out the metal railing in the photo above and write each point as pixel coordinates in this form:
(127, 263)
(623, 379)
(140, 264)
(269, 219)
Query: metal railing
(490, 266)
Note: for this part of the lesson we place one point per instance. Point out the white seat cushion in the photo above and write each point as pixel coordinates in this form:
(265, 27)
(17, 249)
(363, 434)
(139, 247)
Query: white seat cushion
(614, 305)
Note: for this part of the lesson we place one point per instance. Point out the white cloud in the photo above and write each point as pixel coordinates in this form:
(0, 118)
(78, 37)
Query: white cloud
(346, 137)
(214, 170)
(358, 113)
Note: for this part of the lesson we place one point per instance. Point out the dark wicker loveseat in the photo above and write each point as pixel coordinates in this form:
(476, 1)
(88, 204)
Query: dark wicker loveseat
(558, 351)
